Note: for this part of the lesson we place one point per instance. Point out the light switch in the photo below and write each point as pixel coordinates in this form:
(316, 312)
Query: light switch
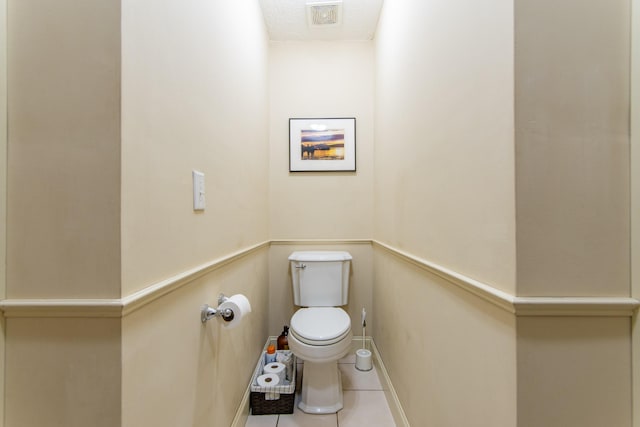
(198, 191)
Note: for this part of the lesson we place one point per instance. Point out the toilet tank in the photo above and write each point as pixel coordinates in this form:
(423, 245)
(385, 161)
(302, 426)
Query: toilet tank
(320, 278)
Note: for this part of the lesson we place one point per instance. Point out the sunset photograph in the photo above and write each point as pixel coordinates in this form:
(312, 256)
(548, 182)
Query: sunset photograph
(322, 144)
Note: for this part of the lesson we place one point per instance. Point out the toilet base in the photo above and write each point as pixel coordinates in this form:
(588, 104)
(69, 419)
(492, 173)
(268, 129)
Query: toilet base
(321, 388)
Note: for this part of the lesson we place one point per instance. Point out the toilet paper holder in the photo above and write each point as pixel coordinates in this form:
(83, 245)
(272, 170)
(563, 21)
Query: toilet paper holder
(209, 312)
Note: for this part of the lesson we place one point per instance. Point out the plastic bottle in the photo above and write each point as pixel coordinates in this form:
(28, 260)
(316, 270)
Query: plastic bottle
(283, 341)
(270, 355)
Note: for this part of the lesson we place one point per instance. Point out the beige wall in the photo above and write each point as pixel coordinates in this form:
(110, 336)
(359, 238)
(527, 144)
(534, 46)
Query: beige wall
(572, 174)
(321, 79)
(63, 210)
(194, 95)
(635, 202)
(572, 145)
(444, 187)
(204, 90)
(63, 219)
(194, 84)
(177, 371)
(444, 192)
(443, 82)
(3, 186)
(574, 372)
(62, 372)
(451, 356)
(3, 147)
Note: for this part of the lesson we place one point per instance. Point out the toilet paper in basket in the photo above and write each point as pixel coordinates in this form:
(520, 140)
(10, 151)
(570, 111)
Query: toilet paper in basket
(268, 380)
(267, 383)
(278, 369)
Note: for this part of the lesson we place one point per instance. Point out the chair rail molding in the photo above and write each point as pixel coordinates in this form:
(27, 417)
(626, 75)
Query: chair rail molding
(524, 306)
(519, 306)
(118, 307)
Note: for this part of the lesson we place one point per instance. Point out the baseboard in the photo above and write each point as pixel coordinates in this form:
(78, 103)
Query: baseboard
(242, 413)
(397, 412)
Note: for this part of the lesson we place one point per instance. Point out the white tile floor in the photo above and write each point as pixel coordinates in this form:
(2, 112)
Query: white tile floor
(364, 404)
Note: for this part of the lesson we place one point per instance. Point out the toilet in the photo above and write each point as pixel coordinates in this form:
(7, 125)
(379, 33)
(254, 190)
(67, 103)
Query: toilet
(320, 331)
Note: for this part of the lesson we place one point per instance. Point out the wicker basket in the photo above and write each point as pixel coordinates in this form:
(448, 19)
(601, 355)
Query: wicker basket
(272, 400)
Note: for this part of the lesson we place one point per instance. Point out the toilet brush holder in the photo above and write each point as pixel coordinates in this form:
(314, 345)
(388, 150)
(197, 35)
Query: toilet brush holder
(363, 360)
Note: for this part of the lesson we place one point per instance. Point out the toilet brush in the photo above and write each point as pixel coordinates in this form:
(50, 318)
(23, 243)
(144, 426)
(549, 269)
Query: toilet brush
(364, 327)
(363, 356)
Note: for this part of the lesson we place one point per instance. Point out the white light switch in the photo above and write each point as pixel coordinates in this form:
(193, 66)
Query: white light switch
(198, 191)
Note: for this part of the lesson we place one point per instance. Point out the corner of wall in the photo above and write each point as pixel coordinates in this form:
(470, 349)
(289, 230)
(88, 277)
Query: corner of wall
(635, 201)
(3, 188)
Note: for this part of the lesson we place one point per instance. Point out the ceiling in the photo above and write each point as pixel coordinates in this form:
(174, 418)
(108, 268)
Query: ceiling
(287, 20)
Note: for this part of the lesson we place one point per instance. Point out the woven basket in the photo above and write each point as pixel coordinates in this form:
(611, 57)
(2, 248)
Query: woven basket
(261, 406)
(272, 400)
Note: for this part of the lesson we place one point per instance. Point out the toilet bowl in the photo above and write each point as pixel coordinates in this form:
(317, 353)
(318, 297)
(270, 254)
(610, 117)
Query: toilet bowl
(320, 336)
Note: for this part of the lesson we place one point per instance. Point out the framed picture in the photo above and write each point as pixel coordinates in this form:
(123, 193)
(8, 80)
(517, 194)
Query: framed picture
(322, 145)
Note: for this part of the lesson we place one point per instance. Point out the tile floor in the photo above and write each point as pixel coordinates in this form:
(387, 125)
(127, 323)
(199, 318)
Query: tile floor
(364, 404)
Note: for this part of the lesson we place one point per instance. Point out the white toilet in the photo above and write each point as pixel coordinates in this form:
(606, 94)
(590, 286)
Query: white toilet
(320, 331)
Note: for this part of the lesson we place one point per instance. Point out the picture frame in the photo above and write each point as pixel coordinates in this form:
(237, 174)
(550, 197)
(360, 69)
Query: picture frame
(322, 144)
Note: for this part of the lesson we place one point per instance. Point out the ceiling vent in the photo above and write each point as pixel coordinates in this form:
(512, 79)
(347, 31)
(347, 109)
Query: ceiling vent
(320, 14)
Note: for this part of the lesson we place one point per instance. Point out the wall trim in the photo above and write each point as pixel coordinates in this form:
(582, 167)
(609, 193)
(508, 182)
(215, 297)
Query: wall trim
(118, 307)
(524, 306)
(145, 296)
(576, 306)
(61, 307)
(519, 306)
(488, 293)
(290, 242)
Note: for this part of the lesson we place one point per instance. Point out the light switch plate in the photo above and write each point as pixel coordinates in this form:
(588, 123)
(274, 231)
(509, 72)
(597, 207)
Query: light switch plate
(198, 191)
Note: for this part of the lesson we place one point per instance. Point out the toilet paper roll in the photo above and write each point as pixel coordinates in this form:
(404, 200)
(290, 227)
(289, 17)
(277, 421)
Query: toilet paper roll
(239, 305)
(277, 368)
(268, 380)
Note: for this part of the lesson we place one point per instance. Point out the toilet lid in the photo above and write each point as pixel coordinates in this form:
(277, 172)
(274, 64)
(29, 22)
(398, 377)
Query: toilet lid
(320, 325)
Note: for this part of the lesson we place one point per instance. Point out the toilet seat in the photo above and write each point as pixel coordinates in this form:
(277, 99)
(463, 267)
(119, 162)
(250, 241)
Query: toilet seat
(320, 325)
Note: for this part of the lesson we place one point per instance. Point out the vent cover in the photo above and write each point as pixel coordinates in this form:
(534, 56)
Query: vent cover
(324, 13)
